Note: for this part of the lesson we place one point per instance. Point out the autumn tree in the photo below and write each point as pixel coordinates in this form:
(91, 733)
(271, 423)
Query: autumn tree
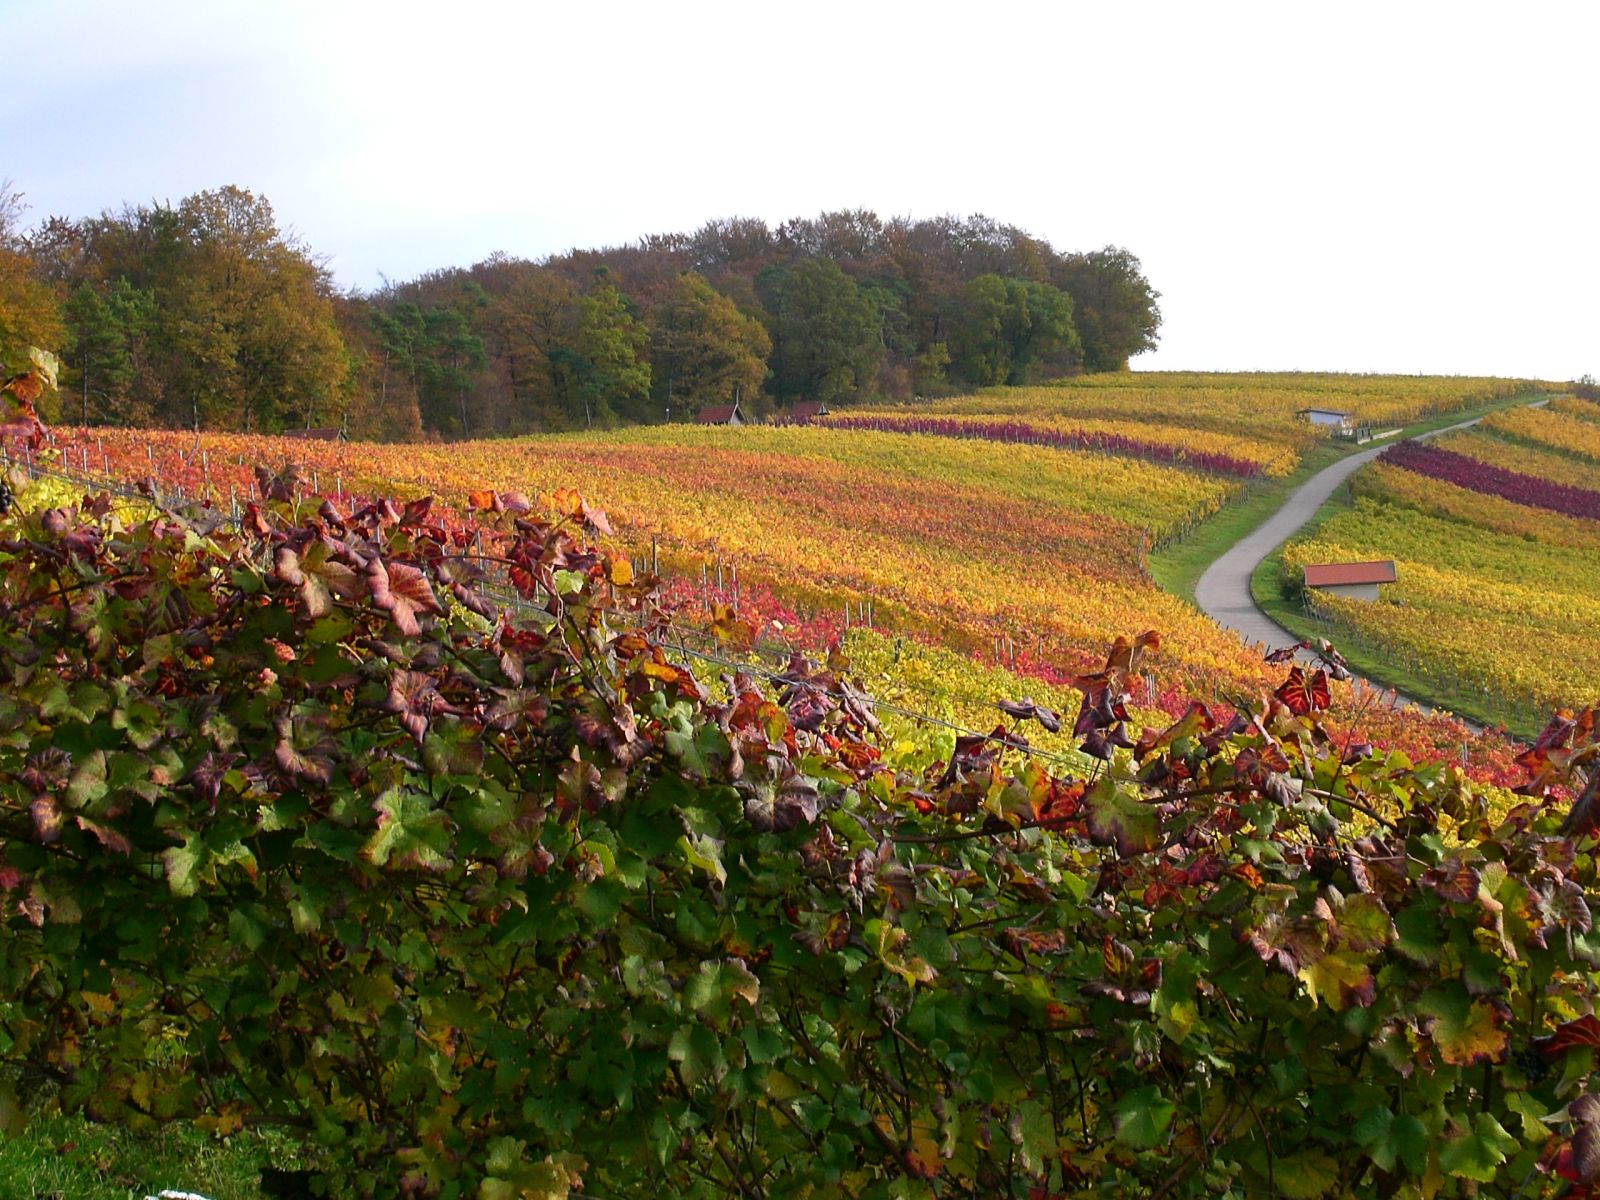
(265, 306)
(208, 314)
(28, 312)
(235, 316)
(703, 350)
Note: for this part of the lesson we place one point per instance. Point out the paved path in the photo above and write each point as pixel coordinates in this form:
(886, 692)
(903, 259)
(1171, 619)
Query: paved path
(1223, 592)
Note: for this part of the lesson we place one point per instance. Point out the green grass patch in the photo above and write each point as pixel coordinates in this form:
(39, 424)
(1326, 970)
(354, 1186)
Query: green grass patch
(1177, 568)
(70, 1158)
(1268, 589)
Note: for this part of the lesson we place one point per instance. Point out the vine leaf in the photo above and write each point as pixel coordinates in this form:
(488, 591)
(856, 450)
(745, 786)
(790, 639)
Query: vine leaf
(1305, 1176)
(1141, 1117)
(1303, 694)
(1476, 1152)
(401, 591)
(1583, 1032)
(1120, 820)
(1338, 980)
(1584, 816)
(1390, 1140)
(1466, 1032)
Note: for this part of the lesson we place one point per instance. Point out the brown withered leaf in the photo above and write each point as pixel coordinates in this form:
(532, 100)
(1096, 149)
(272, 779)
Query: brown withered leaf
(1025, 709)
(207, 775)
(292, 760)
(110, 838)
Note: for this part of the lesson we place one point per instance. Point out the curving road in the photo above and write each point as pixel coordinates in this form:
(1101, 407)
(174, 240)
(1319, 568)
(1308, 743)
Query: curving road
(1223, 592)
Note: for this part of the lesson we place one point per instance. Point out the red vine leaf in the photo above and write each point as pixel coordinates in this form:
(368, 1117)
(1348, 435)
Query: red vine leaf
(1303, 694)
(401, 591)
(1582, 1032)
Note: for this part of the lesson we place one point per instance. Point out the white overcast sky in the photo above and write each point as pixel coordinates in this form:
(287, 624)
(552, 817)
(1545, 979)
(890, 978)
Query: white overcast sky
(1398, 186)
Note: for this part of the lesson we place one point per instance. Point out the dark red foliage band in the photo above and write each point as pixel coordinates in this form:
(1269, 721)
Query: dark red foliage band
(1477, 476)
(1022, 433)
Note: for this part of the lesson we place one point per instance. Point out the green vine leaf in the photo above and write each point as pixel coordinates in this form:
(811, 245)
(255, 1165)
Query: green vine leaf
(1142, 1117)
(1477, 1150)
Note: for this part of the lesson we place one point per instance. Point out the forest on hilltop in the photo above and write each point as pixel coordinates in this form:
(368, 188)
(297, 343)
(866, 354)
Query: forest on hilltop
(208, 314)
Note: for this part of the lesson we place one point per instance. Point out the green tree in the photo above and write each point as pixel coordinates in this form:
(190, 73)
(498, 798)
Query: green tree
(826, 336)
(106, 335)
(1114, 306)
(1039, 328)
(534, 321)
(611, 358)
(1005, 326)
(703, 350)
(980, 352)
(395, 332)
(375, 404)
(928, 369)
(451, 356)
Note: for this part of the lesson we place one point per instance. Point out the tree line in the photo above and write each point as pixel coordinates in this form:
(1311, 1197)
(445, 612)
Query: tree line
(208, 314)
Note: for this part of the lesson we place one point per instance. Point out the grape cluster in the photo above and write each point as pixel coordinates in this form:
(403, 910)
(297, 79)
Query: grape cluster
(1531, 1062)
(6, 498)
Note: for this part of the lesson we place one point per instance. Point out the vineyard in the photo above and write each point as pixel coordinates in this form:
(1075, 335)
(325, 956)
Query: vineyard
(1497, 541)
(1017, 555)
(1262, 408)
(841, 811)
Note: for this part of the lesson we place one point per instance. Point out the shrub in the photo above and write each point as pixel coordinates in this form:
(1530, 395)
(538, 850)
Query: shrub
(299, 826)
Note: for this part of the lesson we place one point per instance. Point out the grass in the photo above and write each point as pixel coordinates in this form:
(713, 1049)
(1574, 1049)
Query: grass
(60, 1157)
(1177, 568)
(1266, 588)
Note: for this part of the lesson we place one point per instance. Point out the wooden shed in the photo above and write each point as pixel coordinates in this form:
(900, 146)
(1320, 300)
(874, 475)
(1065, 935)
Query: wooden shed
(1335, 418)
(315, 435)
(1358, 580)
(806, 411)
(720, 414)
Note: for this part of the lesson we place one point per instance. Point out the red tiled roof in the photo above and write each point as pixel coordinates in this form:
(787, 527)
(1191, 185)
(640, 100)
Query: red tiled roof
(807, 410)
(717, 414)
(315, 435)
(1333, 574)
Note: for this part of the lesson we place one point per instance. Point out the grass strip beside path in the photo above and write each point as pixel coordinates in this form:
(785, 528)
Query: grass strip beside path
(1266, 588)
(1177, 568)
